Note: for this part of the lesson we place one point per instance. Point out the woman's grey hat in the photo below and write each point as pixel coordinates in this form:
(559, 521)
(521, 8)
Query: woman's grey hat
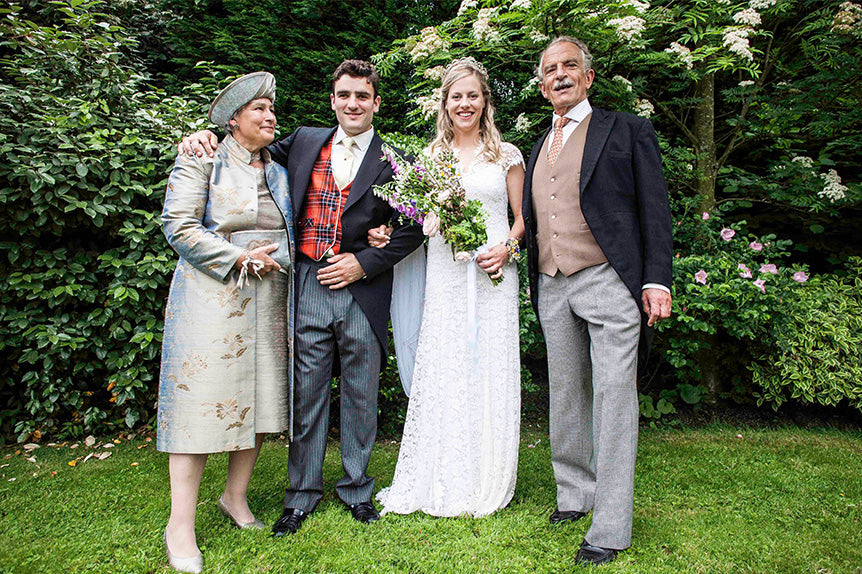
(240, 92)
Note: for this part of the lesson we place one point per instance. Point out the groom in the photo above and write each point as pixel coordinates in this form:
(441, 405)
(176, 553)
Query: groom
(343, 289)
(599, 241)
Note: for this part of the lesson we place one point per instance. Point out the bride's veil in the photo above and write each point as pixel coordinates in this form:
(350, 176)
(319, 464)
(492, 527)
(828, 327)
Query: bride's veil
(408, 296)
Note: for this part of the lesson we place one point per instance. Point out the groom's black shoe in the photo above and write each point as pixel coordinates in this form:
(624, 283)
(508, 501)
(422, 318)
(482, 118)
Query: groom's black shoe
(560, 516)
(290, 521)
(364, 512)
(589, 555)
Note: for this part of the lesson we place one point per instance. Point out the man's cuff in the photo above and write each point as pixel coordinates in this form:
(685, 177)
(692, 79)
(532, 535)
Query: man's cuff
(655, 286)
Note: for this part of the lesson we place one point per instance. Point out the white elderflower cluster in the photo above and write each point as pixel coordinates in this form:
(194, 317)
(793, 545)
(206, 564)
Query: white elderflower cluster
(428, 104)
(538, 37)
(681, 52)
(848, 20)
(644, 108)
(467, 5)
(628, 29)
(435, 73)
(482, 28)
(641, 7)
(736, 42)
(803, 160)
(521, 4)
(746, 83)
(626, 83)
(762, 4)
(522, 123)
(833, 190)
(429, 43)
(747, 17)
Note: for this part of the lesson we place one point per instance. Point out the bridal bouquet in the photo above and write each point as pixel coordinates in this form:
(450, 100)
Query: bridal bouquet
(430, 193)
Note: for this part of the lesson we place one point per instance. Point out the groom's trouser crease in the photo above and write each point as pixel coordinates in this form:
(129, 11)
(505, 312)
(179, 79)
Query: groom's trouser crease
(592, 326)
(326, 318)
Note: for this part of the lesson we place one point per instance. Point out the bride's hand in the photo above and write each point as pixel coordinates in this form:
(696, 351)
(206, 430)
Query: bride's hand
(492, 261)
(379, 236)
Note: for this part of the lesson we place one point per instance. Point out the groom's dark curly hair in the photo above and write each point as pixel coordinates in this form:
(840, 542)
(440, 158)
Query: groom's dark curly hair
(357, 69)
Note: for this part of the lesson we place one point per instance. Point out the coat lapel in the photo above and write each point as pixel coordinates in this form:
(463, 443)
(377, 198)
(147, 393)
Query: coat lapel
(305, 165)
(527, 201)
(597, 135)
(368, 171)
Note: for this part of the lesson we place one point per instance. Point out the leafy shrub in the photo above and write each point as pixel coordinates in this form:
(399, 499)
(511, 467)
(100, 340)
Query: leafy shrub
(817, 355)
(85, 145)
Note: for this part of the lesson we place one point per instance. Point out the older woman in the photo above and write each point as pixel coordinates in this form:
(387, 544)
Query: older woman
(226, 376)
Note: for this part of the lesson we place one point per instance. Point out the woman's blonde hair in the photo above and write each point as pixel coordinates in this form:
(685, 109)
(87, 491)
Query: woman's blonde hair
(489, 136)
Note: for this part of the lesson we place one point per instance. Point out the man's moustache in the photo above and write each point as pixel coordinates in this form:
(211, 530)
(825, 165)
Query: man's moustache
(562, 84)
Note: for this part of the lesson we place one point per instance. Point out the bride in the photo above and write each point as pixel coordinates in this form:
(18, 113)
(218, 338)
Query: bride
(459, 450)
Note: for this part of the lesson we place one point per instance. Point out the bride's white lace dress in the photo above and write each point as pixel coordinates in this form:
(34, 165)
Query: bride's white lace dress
(459, 450)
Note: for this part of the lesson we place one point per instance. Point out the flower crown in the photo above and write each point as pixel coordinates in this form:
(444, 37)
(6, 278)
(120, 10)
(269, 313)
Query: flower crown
(467, 62)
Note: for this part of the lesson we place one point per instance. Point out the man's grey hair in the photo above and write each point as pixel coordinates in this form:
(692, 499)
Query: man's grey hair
(587, 55)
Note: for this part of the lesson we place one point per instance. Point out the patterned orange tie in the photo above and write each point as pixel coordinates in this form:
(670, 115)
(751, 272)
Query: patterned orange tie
(557, 144)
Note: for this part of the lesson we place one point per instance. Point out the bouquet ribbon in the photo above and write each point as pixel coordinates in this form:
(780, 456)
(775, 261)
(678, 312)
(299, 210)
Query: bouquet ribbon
(472, 324)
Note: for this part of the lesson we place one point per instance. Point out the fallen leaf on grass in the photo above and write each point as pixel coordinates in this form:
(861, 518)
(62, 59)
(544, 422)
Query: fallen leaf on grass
(134, 464)
(143, 446)
(90, 441)
(31, 459)
(534, 444)
(73, 446)
(117, 441)
(53, 473)
(103, 455)
(73, 462)
(86, 458)
(108, 445)
(31, 446)
(37, 435)
(12, 480)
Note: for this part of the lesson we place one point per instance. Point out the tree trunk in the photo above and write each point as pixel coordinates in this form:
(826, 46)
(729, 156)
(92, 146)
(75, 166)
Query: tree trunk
(704, 132)
(707, 362)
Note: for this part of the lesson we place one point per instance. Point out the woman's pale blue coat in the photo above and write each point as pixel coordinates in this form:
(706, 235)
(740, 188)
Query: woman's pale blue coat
(227, 354)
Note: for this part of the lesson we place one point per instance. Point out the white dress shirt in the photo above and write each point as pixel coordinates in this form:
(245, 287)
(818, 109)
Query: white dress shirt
(362, 141)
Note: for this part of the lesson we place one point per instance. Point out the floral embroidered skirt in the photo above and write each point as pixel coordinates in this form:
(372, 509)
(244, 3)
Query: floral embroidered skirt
(226, 369)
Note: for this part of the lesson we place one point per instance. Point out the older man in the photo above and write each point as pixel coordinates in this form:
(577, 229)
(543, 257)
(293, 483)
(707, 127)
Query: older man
(599, 240)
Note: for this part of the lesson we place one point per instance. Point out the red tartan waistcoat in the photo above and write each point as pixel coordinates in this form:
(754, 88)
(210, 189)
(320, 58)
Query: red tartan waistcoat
(319, 227)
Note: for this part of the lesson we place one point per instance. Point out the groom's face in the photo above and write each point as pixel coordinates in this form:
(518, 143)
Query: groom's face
(354, 103)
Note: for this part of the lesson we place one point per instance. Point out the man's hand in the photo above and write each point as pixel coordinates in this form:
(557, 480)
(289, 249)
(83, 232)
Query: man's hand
(657, 304)
(343, 269)
(198, 143)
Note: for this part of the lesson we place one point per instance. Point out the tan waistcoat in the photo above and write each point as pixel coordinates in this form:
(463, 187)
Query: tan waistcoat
(565, 240)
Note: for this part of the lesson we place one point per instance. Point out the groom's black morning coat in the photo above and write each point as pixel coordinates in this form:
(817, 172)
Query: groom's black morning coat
(362, 211)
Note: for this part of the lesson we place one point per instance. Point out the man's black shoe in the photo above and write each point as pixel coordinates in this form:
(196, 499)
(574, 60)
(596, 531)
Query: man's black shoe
(589, 555)
(559, 516)
(290, 521)
(364, 512)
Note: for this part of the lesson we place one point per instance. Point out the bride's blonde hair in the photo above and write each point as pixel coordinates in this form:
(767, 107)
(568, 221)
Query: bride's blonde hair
(489, 136)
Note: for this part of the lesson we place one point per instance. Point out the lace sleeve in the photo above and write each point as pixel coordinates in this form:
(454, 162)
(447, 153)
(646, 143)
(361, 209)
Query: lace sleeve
(511, 156)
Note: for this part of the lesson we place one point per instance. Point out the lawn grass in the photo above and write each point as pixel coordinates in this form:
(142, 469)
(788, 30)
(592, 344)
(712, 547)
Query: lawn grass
(706, 500)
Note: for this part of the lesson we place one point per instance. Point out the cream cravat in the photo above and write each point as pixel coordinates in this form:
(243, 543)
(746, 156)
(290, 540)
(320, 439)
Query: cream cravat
(557, 143)
(341, 168)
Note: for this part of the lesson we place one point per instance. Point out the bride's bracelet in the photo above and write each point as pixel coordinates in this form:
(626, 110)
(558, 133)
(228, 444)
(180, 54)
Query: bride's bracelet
(513, 248)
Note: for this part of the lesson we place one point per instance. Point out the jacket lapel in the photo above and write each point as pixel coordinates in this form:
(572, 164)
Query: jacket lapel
(597, 135)
(527, 200)
(305, 165)
(368, 171)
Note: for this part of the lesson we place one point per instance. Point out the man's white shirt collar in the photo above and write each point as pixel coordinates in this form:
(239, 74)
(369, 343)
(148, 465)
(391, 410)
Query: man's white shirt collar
(578, 113)
(362, 141)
